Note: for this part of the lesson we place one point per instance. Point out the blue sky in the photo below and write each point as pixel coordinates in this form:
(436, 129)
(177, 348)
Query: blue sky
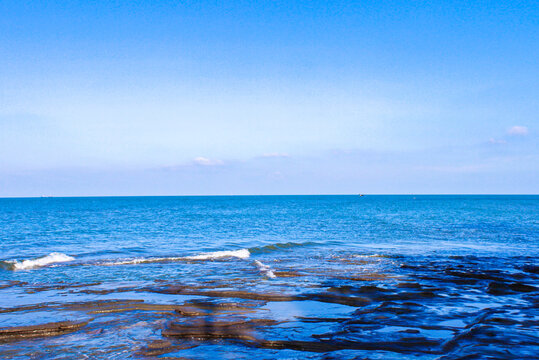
(268, 97)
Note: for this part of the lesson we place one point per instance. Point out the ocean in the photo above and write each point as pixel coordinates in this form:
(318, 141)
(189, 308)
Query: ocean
(288, 277)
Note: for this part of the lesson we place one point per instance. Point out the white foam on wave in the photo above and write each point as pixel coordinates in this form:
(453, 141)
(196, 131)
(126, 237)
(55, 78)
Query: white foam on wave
(55, 257)
(240, 254)
(52, 258)
(136, 261)
(370, 256)
(265, 269)
(142, 261)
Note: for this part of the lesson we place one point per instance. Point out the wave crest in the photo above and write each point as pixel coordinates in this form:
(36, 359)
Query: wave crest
(279, 246)
(52, 258)
(241, 254)
(265, 269)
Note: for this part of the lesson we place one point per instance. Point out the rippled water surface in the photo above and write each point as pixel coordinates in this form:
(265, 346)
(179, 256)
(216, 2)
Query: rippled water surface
(293, 277)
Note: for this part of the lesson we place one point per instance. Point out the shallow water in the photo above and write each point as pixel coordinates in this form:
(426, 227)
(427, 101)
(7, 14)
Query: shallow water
(332, 277)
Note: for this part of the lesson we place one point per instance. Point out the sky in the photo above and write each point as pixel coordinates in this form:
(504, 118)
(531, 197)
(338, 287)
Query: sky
(268, 97)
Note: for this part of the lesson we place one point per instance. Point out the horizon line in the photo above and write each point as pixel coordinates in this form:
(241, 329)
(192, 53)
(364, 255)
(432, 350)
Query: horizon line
(268, 195)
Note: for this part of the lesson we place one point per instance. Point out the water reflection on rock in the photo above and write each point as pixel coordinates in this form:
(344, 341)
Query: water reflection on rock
(349, 306)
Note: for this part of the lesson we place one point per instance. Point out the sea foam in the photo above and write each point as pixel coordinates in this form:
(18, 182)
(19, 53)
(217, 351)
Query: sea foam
(52, 258)
(241, 254)
(140, 261)
(265, 269)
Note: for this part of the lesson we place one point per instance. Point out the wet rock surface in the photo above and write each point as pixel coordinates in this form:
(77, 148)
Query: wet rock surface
(42, 330)
(347, 307)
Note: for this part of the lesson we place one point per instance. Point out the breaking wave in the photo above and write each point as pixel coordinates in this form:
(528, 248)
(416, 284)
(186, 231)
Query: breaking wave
(52, 258)
(265, 269)
(240, 254)
(214, 255)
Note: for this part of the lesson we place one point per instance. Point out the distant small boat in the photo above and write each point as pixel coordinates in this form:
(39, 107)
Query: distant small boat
(361, 195)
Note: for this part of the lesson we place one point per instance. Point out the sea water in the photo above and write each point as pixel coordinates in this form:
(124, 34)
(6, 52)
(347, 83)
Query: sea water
(333, 277)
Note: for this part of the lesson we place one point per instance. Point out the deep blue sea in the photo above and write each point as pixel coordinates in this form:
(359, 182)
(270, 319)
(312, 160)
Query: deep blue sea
(288, 277)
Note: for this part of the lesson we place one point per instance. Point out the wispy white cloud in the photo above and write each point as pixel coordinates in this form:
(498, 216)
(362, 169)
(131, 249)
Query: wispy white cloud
(518, 130)
(207, 162)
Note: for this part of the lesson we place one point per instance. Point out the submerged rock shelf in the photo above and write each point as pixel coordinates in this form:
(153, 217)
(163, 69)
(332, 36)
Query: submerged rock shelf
(433, 310)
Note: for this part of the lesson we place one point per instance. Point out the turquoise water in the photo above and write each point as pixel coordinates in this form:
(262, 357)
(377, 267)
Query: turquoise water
(370, 277)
